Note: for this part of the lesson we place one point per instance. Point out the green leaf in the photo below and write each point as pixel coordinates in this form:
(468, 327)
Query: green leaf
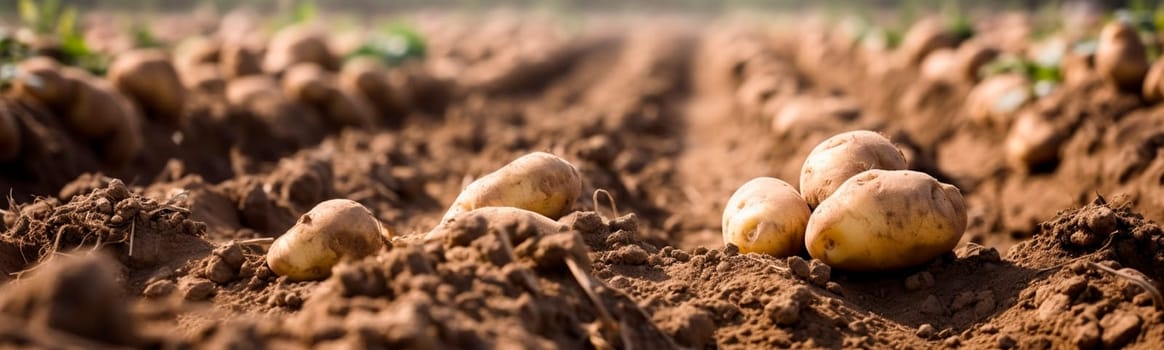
(67, 22)
(397, 44)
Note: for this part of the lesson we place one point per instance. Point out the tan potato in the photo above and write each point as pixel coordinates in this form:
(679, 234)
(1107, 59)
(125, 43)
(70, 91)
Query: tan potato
(995, 100)
(127, 139)
(196, 51)
(540, 182)
(311, 85)
(244, 91)
(43, 82)
(885, 220)
(332, 231)
(971, 57)
(239, 60)
(94, 111)
(149, 78)
(205, 78)
(1121, 57)
(10, 135)
(924, 37)
(766, 216)
(941, 65)
(841, 156)
(1154, 82)
(308, 83)
(297, 44)
(1033, 141)
(369, 78)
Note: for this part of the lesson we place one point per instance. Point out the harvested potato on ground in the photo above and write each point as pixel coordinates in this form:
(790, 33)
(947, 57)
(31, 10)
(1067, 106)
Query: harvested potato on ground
(239, 60)
(540, 182)
(333, 230)
(42, 82)
(802, 115)
(309, 84)
(243, 91)
(924, 37)
(369, 77)
(297, 44)
(971, 57)
(94, 111)
(1121, 57)
(149, 78)
(127, 139)
(941, 65)
(995, 100)
(1154, 82)
(885, 220)
(205, 78)
(841, 156)
(767, 216)
(10, 136)
(197, 50)
(1033, 141)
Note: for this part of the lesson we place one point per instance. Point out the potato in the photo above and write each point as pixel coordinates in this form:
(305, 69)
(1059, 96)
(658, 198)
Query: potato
(239, 60)
(333, 230)
(971, 57)
(841, 156)
(44, 83)
(308, 83)
(924, 37)
(995, 100)
(297, 44)
(311, 85)
(1033, 141)
(1154, 82)
(95, 112)
(10, 134)
(369, 78)
(1121, 57)
(244, 91)
(941, 65)
(885, 220)
(804, 115)
(204, 78)
(127, 139)
(149, 78)
(540, 182)
(197, 50)
(767, 216)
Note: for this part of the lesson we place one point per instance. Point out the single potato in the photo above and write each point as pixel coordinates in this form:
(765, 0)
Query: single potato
(1033, 140)
(297, 44)
(995, 100)
(540, 182)
(767, 216)
(334, 230)
(885, 220)
(10, 134)
(1121, 57)
(150, 79)
(841, 156)
(1154, 82)
(42, 82)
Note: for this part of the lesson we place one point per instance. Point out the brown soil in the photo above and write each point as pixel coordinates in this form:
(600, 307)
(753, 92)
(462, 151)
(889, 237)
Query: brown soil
(669, 118)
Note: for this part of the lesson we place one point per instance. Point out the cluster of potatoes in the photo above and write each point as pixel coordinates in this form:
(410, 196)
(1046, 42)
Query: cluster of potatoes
(538, 185)
(857, 209)
(298, 68)
(860, 210)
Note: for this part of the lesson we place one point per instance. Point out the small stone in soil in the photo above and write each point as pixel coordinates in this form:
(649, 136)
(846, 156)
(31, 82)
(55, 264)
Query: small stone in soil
(159, 289)
(783, 312)
(920, 280)
(1086, 336)
(198, 290)
(799, 267)
(819, 273)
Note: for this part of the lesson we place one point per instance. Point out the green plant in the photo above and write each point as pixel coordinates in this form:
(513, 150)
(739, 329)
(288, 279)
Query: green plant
(51, 19)
(396, 44)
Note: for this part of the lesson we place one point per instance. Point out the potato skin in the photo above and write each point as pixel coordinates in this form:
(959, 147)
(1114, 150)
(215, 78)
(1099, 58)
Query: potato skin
(841, 156)
(150, 79)
(370, 79)
(333, 230)
(540, 182)
(1154, 82)
(1121, 57)
(94, 111)
(297, 44)
(767, 216)
(995, 99)
(885, 220)
(54, 89)
(924, 37)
